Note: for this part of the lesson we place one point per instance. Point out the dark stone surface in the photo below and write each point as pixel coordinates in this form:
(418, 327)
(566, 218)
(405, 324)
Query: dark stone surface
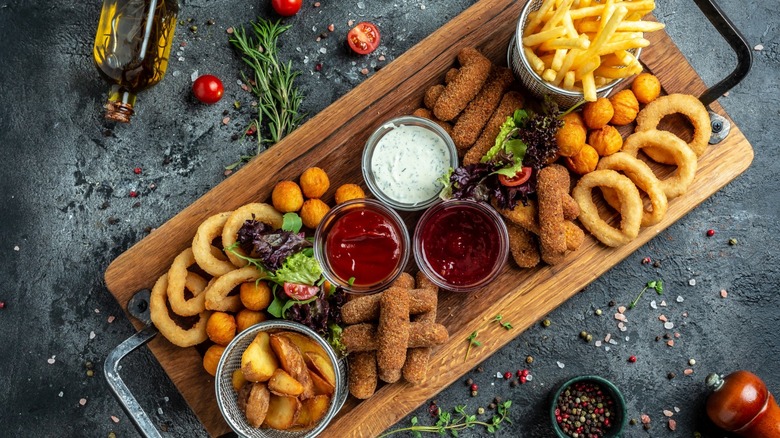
(66, 214)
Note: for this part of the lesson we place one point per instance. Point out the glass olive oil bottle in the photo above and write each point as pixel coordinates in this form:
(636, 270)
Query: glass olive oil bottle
(131, 49)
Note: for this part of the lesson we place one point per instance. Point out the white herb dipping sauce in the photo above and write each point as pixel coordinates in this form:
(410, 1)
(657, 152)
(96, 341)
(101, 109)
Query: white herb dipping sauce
(406, 162)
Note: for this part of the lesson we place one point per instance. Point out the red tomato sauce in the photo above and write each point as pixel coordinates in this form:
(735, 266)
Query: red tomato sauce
(461, 244)
(364, 245)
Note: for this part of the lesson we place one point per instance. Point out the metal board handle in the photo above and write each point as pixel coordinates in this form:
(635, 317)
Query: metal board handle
(111, 370)
(738, 44)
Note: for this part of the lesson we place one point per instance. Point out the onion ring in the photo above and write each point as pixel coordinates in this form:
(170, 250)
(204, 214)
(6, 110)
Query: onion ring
(685, 104)
(209, 230)
(684, 157)
(179, 279)
(177, 335)
(630, 207)
(643, 177)
(219, 287)
(264, 213)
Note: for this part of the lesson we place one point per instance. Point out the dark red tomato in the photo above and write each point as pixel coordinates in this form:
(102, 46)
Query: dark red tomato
(519, 178)
(286, 8)
(363, 38)
(208, 89)
(300, 292)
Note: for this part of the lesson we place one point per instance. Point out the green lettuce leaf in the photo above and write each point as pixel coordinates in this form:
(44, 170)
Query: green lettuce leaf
(298, 268)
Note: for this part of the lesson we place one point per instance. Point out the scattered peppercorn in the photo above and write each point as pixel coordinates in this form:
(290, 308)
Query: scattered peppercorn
(588, 338)
(492, 406)
(89, 365)
(598, 312)
(611, 304)
(318, 67)
(632, 422)
(210, 22)
(656, 264)
(523, 379)
(529, 359)
(474, 387)
(507, 375)
(194, 28)
(632, 359)
(583, 334)
(480, 369)
(710, 233)
(433, 410)
(646, 260)
(480, 410)
(513, 383)
(111, 435)
(646, 426)
(137, 171)
(671, 376)
(90, 373)
(2, 305)
(497, 400)
(546, 323)
(469, 381)
(473, 393)
(732, 241)
(133, 194)
(692, 362)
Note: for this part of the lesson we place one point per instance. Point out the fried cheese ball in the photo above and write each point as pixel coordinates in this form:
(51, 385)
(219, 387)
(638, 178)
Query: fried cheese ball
(571, 136)
(606, 140)
(584, 162)
(626, 107)
(597, 114)
(348, 192)
(313, 211)
(221, 328)
(246, 318)
(255, 295)
(287, 197)
(646, 88)
(314, 182)
(211, 358)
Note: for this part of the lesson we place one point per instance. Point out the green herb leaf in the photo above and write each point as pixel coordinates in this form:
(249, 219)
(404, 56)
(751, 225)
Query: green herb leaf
(291, 303)
(351, 281)
(414, 421)
(276, 306)
(292, 222)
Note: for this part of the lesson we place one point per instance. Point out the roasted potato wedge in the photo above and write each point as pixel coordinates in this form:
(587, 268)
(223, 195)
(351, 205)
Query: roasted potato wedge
(312, 410)
(282, 383)
(282, 412)
(238, 379)
(321, 387)
(292, 361)
(322, 365)
(258, 361)
(257, 405)
(243, 396)
(305, 343)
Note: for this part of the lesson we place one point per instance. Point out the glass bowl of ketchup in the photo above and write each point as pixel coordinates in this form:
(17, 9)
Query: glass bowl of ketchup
(362, 246)
(461, 245)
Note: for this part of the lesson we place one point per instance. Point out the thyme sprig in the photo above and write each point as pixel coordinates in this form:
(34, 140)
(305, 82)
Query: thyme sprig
(272, 81)
(472, 339)
(457, 421)
(658, 285)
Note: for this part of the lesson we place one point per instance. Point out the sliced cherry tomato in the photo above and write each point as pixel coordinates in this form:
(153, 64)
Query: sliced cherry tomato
(286, 8)
(300, 292)
(363, 38)
(208, 89)
(519, 178)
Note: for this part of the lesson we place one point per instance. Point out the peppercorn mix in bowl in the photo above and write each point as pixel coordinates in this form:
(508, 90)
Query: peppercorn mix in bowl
(588, 406)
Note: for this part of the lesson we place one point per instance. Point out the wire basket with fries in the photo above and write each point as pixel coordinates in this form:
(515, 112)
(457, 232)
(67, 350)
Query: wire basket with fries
(579, 49)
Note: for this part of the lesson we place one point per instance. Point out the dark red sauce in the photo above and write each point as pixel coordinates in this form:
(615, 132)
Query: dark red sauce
(461, 244)
(364, 245)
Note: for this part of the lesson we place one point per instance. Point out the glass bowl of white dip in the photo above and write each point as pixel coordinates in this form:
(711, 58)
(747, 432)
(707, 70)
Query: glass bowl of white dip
(403, 160)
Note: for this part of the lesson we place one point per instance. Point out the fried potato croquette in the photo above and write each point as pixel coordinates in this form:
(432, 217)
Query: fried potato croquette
(478, 111)
(646, 88)
(177, 335)
(432, 94)
(597, 114)
(348, 192)
(313, 211)
(641, 175)
(451, 75)
(287, 196)
(584, 161)
(630, 207)
(465, 86)
(526, 217)
(571, 136)
(684, 158)
(211, 358)
(606, 141)
(246, 318)
(523, 246)
(626, 107)
(392, 333)
(255, 295)
(362, 374)
(314, 182)
(511, 101)
(221, 328)
(684, 104)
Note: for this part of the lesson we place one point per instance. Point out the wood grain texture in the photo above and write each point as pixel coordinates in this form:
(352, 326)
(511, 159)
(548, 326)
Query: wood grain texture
(334, 140)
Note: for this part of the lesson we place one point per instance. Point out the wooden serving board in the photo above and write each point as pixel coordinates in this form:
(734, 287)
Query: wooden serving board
(334, 140)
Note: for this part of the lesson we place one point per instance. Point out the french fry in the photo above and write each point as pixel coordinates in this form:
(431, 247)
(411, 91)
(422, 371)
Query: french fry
(539, 38)
(536, 63)
(589, 87)
(587, 67)
(625, 26)
(594, 11)
(557, 60)
(549, 75)
(609, 8)
(568, 81)
(558, 15)
(563, 43)
(535, 18)
(622, 45)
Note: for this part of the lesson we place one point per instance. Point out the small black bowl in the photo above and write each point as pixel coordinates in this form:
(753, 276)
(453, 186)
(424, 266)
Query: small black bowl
(618, 420)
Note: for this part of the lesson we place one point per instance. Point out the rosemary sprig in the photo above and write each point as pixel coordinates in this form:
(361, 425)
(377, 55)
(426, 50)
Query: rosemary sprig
(272, 81)
(446, 423)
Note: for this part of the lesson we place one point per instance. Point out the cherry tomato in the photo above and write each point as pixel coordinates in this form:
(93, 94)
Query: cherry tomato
(286, 8)
(519, 178)
(300, 292)
(363, 38)
(208, 89)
